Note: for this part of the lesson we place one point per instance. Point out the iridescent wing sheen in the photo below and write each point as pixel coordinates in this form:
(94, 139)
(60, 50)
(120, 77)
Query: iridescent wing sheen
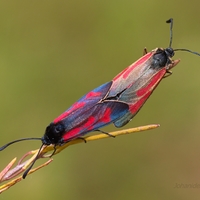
(86, 102)
(137, 94)
(131, 74)
(93, 118)
(115, 102)
(91, 112)
(136, 83)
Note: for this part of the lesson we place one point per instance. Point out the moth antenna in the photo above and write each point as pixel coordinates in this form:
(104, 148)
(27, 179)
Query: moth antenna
(171, 37)
(171, 32)
(19, 140)
(193, 52)
(27, 171)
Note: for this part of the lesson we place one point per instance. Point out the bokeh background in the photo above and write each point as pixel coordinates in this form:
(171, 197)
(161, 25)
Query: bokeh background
(53, 52)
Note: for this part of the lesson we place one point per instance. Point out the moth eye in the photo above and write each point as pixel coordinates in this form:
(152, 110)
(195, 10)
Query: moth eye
(170, 52)
(59, 128)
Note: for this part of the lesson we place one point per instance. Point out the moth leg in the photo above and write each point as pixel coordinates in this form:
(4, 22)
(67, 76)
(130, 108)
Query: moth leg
(168, 73)
(145, 51)
(54, 150)
(82, 139)
(105, 133)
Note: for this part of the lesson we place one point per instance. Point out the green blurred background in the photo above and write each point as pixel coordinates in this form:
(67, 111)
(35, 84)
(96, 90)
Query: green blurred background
(52, 52)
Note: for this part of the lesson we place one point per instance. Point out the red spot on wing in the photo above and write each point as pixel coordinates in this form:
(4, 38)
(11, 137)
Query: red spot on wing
(89, 123)
(145, 92)
(71, 134)
(75, 106)
(87, 126)
(154, 82)
(74, 133)
(93, 94)
(135, 107)
(127, 71)
(107, 116)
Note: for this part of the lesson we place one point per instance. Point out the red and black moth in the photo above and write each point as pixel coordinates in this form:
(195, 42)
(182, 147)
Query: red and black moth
(117, 101)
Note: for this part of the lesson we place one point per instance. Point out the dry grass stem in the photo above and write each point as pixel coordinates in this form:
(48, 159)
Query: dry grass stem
(15, 174)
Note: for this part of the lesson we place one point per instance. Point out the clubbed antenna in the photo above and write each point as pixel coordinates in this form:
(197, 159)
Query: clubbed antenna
(171, 37)
(19, 140)
(193, 52)
(171, 32)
